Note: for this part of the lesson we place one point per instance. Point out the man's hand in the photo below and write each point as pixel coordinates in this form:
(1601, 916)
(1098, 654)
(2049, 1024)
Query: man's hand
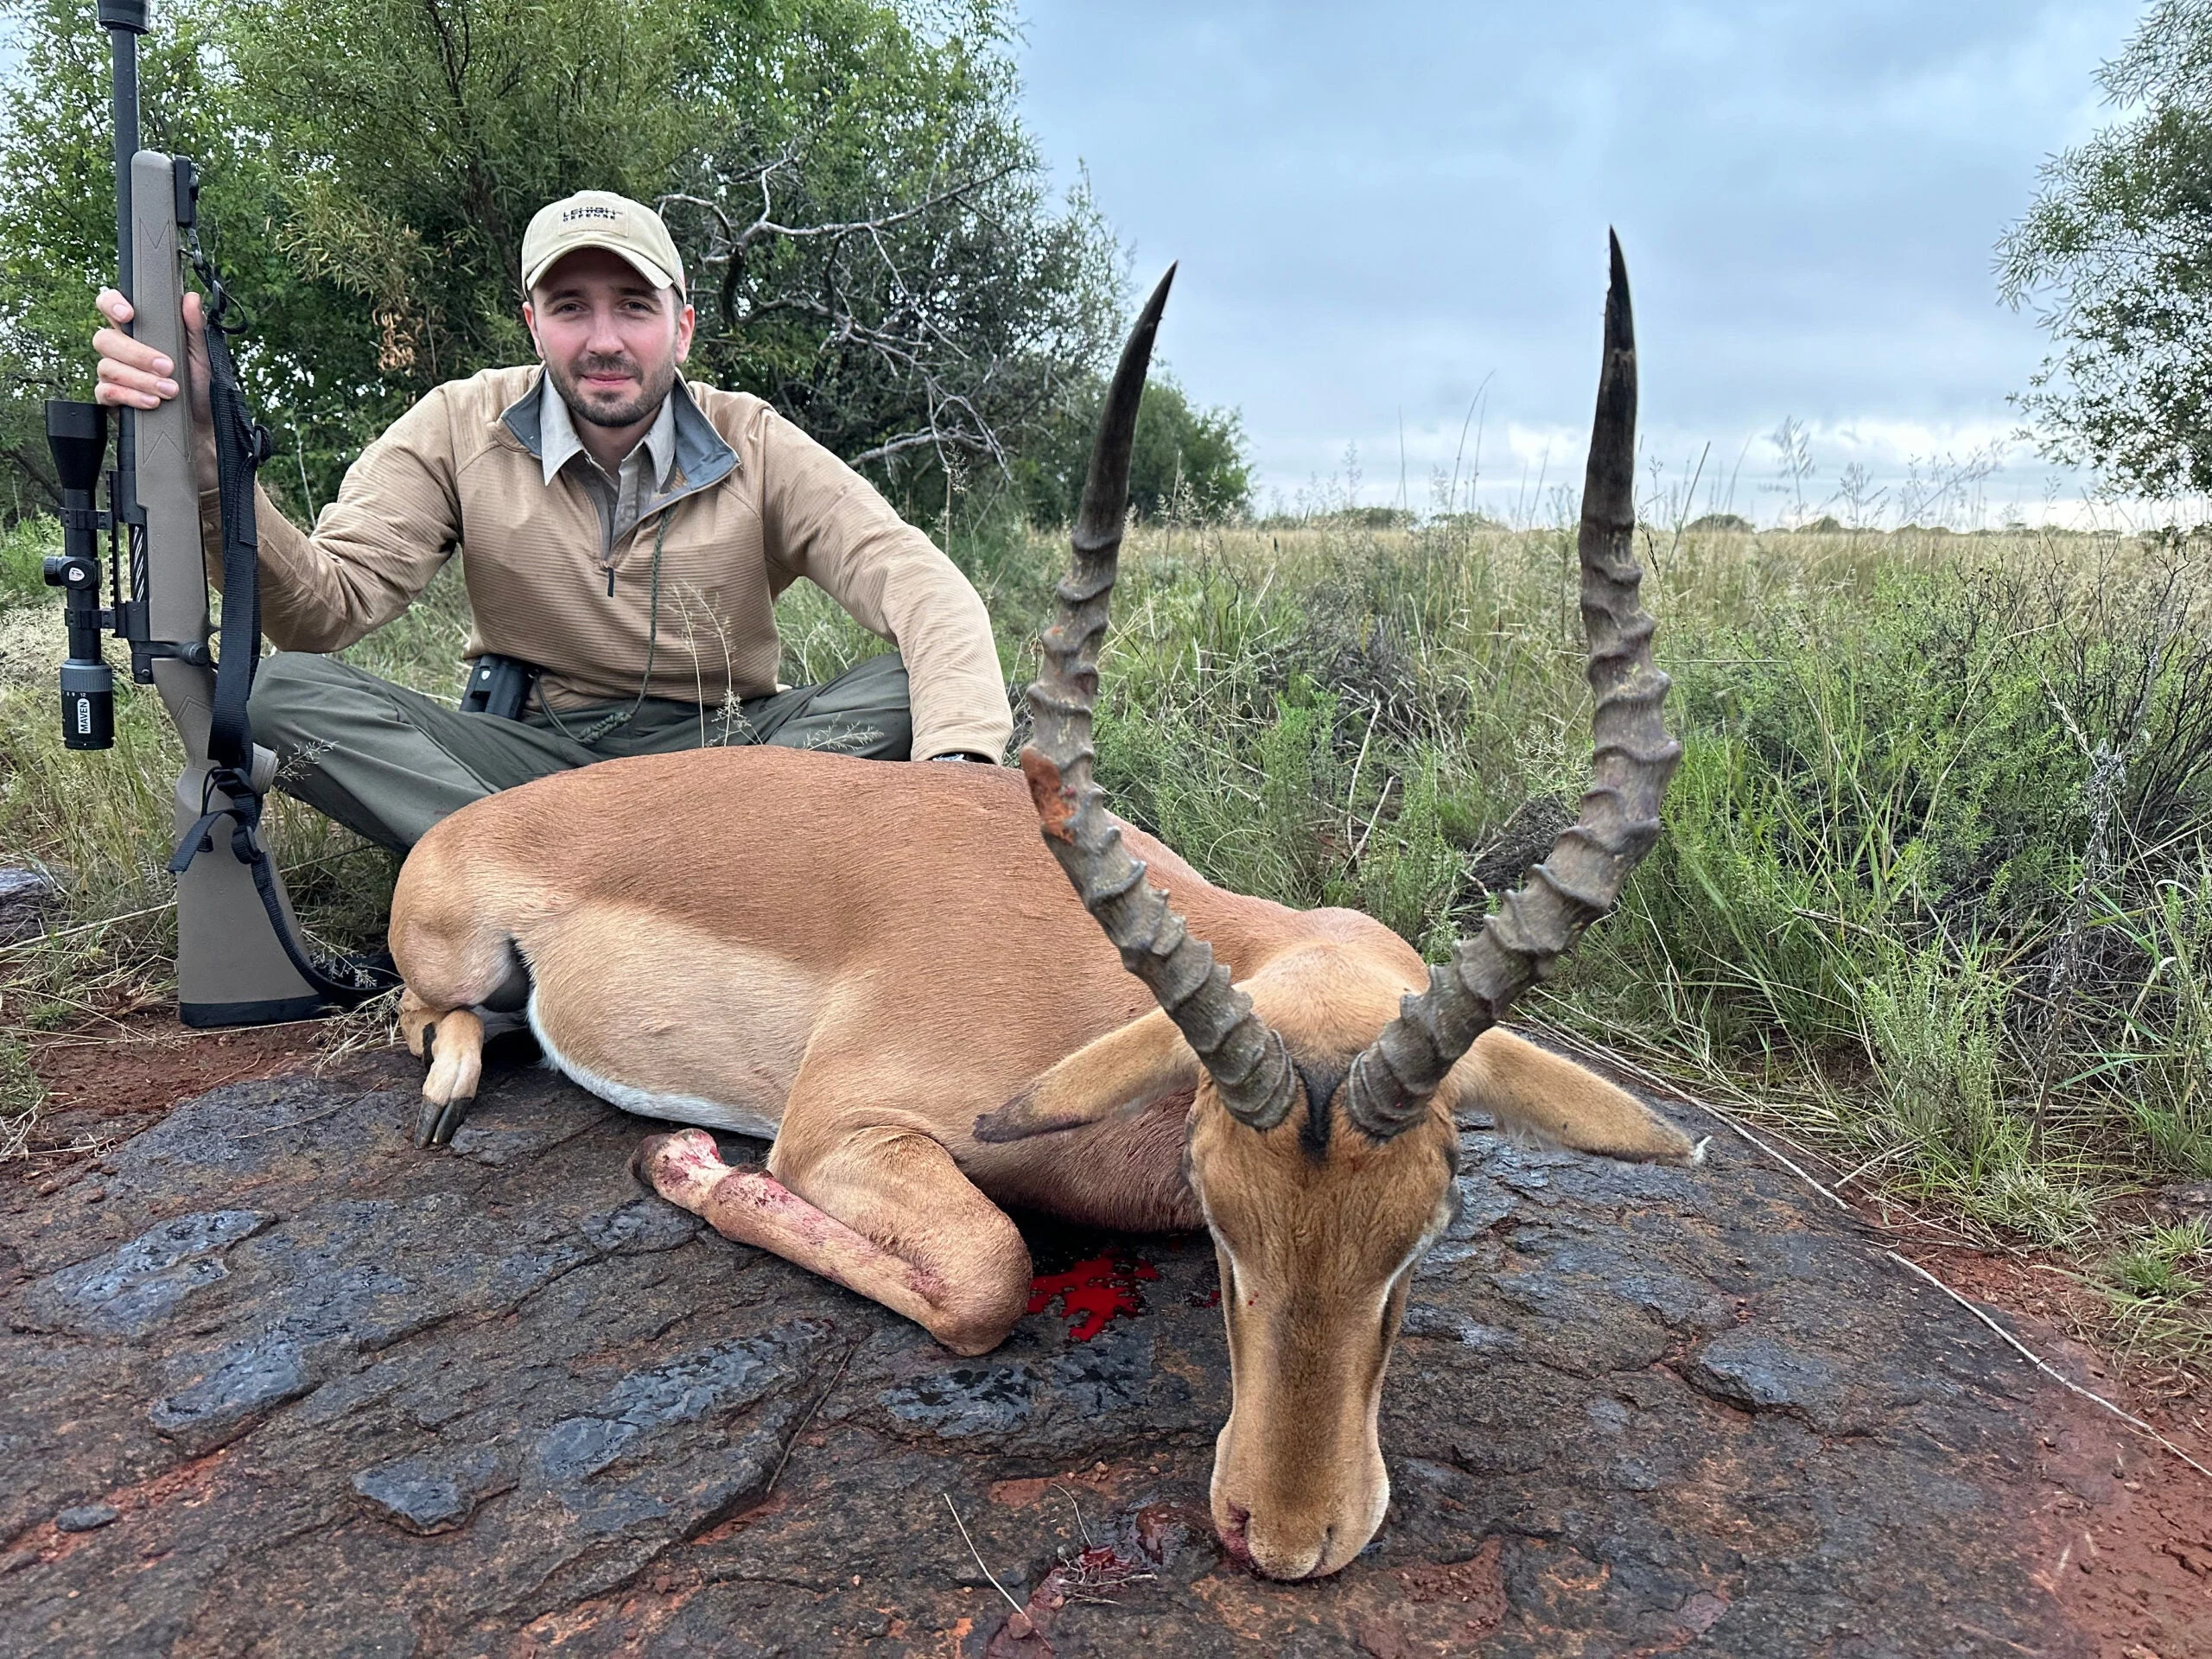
(133, 375)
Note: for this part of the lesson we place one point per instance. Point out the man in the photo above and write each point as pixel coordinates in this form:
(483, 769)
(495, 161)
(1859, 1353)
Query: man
(623, 530)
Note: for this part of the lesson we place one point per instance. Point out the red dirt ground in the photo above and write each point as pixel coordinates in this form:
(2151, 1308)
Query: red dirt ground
(108, 1079)
(2123, 1528)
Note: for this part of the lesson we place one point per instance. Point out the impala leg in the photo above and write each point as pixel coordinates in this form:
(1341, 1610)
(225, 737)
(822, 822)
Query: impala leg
(452, 1047)
(415, 1019)
(885, 1213)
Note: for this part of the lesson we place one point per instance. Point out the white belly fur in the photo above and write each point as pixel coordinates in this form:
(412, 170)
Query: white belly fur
(675, 1109)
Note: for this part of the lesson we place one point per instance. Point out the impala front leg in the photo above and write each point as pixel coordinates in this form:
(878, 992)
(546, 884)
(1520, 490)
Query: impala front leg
(949, 1260)
(452, 1047)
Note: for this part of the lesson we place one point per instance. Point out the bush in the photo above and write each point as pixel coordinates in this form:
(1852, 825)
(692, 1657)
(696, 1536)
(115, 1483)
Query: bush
(1187, 463)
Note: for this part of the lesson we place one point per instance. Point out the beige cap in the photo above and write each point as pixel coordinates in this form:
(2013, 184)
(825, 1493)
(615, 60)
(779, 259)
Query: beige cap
(600, 218)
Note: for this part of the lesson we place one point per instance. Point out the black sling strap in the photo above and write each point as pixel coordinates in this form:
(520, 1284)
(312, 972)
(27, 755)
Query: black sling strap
(241, 445)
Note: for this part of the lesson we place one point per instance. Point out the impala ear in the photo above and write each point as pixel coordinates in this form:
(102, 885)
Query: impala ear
(1562, 1104)
(1122, 1072)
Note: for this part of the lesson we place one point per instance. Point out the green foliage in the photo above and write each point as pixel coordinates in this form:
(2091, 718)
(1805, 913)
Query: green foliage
(1934, 894)
(1373, 518)
(1942, 858)
(1410, 879)
(24, 549)
(57, 204)
(1187, 463)
(2160, 1287)
(929, 346)
(1295, 766)
(370, 167)
(2112, 251)
(20, 1094)
(413, 143)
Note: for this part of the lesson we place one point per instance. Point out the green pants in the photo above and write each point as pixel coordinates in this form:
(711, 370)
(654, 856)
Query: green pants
(388, 763)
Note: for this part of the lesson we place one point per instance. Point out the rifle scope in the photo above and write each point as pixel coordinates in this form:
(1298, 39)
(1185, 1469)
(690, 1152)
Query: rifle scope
(77, 434)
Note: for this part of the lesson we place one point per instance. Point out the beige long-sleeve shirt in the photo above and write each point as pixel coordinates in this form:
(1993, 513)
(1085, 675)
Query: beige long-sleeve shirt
(749, 504)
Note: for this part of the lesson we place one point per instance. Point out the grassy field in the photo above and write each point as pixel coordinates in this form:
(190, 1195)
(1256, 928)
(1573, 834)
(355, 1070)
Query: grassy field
(1935, 902)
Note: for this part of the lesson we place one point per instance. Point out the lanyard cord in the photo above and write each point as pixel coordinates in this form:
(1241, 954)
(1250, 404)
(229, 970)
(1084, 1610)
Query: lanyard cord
(623, 717)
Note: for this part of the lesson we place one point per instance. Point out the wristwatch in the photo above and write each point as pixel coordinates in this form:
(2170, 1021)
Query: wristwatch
(965, 754)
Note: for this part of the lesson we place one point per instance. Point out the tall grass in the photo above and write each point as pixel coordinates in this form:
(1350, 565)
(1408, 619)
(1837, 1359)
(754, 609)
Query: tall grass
(1936, 885)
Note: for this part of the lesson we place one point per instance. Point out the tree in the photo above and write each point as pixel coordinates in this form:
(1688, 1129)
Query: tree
(2116, 253)
(884, 266)
(870, 240)
(1185, 461)
(57, 205)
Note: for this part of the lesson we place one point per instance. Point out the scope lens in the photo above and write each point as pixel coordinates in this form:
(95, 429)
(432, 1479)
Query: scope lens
(87, 706)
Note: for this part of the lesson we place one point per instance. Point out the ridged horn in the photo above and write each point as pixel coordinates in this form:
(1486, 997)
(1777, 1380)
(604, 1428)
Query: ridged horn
(1250, 1066)
(1391, 1083)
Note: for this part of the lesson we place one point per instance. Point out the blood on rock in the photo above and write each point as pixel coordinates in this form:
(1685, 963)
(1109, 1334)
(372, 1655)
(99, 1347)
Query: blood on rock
(1093, 1294)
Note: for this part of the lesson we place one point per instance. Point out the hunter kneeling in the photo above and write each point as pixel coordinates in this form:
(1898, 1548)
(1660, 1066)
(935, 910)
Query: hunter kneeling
(626, 533)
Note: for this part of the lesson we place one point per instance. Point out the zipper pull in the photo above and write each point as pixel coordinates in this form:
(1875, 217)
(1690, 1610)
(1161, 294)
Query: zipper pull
(610, 582)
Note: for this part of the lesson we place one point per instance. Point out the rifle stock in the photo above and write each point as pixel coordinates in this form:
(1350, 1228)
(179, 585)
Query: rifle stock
(231, 968)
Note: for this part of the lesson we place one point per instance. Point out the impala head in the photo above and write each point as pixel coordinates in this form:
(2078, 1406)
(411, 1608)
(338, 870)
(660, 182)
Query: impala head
(1322, 1142)
(1316, 1226)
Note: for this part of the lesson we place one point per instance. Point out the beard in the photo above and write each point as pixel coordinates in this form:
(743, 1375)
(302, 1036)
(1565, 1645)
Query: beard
(612, 408)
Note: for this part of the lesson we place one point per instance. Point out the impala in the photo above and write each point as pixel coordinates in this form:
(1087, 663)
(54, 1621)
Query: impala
(873, 966)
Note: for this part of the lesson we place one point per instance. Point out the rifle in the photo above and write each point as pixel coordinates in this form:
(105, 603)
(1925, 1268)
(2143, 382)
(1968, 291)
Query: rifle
(240, 961)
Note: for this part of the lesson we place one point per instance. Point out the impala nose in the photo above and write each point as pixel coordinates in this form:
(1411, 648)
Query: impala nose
(1232, 1535)
(1286, 1552)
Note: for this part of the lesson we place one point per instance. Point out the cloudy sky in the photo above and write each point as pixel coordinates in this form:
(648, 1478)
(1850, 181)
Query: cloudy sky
(1382, 211)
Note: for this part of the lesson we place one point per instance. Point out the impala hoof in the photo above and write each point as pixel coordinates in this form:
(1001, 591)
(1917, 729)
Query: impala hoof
(435, 1124)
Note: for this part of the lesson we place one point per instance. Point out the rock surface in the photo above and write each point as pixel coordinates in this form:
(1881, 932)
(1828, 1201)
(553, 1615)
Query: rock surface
(28, 899)
(346, 1398)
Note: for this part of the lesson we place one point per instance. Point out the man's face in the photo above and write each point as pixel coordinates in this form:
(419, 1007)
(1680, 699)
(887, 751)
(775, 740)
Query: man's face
(610, 340)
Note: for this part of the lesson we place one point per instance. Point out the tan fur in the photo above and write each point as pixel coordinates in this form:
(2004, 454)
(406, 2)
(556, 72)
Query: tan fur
(883, 965)
(970, 1313)
(458, 1062)
(1559, 1102)
(1122, 1072)
(1315, 1256)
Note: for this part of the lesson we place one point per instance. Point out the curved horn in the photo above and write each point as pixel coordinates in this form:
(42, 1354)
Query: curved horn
(1392, 1081)
(1247, 1062)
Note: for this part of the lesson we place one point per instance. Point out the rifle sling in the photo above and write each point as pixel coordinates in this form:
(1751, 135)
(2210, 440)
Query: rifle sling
(241, 445)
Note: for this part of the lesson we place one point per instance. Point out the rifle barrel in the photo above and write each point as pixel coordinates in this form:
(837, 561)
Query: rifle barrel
(125, 21)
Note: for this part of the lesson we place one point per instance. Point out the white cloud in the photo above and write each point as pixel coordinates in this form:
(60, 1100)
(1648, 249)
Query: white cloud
(1373, 220)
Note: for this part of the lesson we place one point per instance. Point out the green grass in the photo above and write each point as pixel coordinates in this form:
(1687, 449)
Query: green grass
(2157, 1287)
(23, 548)
(1936, 893)
(2156, 1268)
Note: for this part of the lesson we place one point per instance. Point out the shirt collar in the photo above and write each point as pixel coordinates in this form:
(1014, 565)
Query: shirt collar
(557, 435)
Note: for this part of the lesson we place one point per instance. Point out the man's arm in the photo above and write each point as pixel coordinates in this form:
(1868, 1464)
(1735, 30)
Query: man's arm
(373, 548)
(394, 523)
(828, 524)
